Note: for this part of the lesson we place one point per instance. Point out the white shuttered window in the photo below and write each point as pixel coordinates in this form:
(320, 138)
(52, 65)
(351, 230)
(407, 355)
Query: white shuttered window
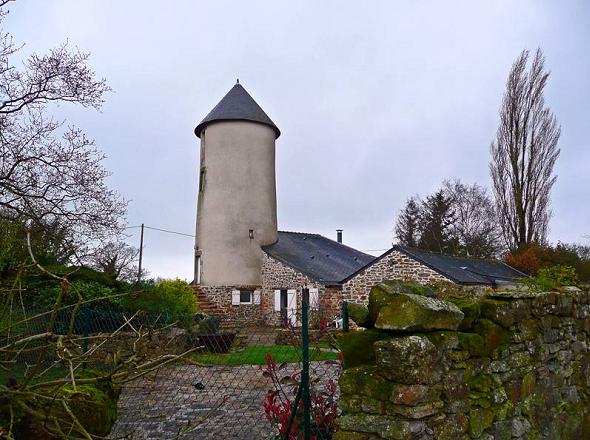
(277, 300)
(314, 298)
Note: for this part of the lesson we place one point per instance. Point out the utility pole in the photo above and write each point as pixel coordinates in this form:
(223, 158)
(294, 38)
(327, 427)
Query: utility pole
(140, 255)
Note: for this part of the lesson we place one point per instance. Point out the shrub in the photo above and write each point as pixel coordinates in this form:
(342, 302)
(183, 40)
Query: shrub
(167, 297)
(525, 260)
(530, 259)
(550, 278)
(89, 290)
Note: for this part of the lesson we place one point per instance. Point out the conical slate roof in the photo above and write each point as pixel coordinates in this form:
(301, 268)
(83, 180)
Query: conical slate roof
(237, 105)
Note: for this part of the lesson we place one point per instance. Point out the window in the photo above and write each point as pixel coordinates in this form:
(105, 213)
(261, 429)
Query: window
(245, 297)
(202, 180)
(241, 297)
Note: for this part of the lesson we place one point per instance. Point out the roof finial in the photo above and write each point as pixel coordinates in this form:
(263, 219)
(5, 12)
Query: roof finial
(237, 80)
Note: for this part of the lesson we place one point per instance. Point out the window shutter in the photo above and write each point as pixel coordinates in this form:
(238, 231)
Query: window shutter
(292, 299)
(277, 300)
(235, 298)
(256, 298)
(314, 298)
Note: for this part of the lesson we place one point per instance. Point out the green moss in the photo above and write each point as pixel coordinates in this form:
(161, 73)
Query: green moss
(357, 347)
(473, 343)
(95, 408)
(364, 381)
(529, 381)
(493, 335)
(93, 404)
(359, 314)
(410, 312)
(344, 435)
(378, 297)
(480, 420)
(383, 293)
(442, 339)
(503, 411)
(470, 308)
(481, 382)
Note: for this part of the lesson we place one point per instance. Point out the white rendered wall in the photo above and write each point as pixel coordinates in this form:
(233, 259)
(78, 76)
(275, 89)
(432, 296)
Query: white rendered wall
(238, 194)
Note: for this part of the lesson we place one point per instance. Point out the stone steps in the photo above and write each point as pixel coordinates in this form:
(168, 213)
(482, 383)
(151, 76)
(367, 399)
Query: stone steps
(206, 305)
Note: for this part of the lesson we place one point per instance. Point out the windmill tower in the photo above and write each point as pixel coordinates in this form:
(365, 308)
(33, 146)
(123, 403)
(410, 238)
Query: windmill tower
(237, 207)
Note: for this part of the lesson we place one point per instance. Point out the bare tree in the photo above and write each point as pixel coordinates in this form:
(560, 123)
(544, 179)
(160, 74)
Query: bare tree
(116, 259)
(524, 154)
(475, 224)
(407, 226)
(49, 170)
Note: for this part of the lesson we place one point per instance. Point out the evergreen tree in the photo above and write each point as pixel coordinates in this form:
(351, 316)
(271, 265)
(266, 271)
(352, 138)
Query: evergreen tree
(407, 230)
(436, 224)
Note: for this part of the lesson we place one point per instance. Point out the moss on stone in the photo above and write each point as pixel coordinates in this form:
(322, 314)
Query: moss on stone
(359, 314)
(529, 382)
(347, 435)
(481, 382)
(357, 347)
(473, 343)
(471, 310)
(480, 419)
(410, 312)
(442, 340)
(93, 404)
(384, 292)
(505, 313)
(493, 335)
(364, 381)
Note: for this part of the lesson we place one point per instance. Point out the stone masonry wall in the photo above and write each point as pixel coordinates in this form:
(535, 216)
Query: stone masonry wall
(221, 296)
(512, 366)
(277, 275)
(395, 266)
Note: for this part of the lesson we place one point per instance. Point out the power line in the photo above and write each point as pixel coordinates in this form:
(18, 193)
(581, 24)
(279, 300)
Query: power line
(161, 230)
(168, 231)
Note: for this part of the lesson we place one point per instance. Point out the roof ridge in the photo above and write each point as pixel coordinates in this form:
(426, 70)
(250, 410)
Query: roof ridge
(300, 233)
(426, 251)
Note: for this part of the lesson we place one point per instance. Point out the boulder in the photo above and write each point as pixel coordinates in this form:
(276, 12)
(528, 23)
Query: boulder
(409, 312)
(381, 294)
(359, 314)
(357, 346)
(408, 360)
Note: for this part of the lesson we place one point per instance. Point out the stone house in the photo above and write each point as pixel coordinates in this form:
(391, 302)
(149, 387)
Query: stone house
(248, 271)
(335, 272)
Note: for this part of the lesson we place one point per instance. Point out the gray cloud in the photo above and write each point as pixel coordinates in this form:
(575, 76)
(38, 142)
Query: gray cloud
(375, 101)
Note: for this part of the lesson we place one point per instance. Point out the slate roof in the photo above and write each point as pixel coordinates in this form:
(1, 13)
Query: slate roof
(462, 270)
(318, 257)
(237, 105)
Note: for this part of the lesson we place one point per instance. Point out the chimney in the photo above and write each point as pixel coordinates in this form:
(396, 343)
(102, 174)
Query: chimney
(339, 235)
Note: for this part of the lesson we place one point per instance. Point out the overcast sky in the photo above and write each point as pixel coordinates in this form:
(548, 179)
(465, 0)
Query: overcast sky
(375, 101)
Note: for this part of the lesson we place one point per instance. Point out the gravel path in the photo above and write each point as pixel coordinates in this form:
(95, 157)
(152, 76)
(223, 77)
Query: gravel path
(225, 400)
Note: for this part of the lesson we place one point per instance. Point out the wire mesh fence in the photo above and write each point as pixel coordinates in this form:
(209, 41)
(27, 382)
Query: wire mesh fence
(171, 377)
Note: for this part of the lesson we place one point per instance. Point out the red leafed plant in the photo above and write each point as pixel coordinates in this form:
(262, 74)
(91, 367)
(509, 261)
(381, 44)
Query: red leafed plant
(278, 404)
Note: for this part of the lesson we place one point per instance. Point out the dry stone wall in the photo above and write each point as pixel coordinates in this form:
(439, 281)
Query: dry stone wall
(394, 266)
(514, 366)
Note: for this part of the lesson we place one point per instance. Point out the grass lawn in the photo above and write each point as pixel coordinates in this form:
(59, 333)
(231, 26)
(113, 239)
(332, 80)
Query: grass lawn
(256, 354)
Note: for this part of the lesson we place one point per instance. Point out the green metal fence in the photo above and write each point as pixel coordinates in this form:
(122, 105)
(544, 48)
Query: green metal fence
(186, 377)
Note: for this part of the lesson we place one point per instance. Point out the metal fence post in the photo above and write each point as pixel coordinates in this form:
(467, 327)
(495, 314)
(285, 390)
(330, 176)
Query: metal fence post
(86, 329)
(344, 316)
(305, 366)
